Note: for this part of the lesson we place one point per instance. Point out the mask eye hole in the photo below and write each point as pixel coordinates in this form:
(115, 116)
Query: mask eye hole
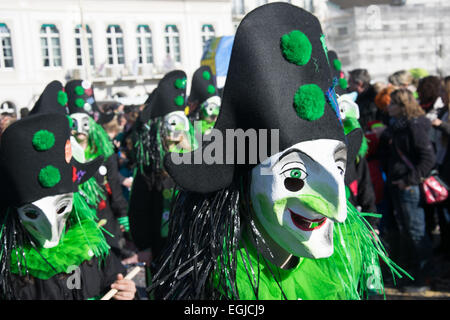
(61, 210)
(32, 214)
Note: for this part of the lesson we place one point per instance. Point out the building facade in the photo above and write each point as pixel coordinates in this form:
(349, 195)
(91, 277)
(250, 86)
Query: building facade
(123, 47)
(387, 38)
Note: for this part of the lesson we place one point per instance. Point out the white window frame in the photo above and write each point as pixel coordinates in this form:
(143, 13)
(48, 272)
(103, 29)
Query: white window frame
(144, 51)
(78, 45)
(3, 48)
(208, 32)
(113, 36)
(171, 33)
(48, 35)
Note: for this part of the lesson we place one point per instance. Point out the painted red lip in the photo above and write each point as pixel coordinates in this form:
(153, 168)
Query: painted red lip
(306, 224)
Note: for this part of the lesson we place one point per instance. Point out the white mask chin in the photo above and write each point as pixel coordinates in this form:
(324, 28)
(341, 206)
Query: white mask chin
(299, 193)
(45, 218)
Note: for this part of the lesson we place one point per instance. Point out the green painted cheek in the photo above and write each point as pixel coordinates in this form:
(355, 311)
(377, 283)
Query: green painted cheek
(273, 214)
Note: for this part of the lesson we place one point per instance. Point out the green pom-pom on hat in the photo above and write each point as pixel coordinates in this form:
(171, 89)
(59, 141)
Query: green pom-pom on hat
(62, 98)
(43, 140)
(70, 122)
(79, 102)
(180, 83)
(211, 89)
(49, 176)
(206, 75)
(79, 90)
(296, 47)
(309, 102)
(337, 64)
(343, 83)
(179, 101)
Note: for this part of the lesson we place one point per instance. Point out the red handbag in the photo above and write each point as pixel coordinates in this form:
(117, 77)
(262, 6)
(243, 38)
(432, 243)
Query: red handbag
(434, 189)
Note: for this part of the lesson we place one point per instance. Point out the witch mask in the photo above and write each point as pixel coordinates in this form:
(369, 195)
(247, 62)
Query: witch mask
(46, 218)
(299, 202)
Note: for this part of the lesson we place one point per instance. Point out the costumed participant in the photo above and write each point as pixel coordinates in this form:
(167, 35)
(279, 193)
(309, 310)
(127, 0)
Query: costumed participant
(52, 246)
(96, 142)
(336, 70)
(277, 227)
(360, 191)
(204, 99)
(162, 127)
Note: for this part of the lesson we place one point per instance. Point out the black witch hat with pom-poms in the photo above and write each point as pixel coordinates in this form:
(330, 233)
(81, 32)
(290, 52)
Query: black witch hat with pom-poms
(81, 99)
(36, 159)
(278, 78)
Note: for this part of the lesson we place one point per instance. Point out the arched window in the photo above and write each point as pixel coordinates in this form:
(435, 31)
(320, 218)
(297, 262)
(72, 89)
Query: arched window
(114, 38)
(172, 37)
(144, 44)
(79, 44)
(6, 55)
(50, 45)
(208, 32)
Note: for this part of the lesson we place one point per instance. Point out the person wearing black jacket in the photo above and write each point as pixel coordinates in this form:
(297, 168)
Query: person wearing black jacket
(407, 156)
(442, 140)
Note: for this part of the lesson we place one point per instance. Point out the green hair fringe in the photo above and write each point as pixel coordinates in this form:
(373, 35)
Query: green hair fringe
(99, 143)
(92, 192)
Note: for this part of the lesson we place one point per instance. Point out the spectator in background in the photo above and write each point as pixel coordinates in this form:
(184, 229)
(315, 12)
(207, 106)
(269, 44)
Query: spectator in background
(24, 112)
(431, 95)
(359, 81)
(407, 155)
(402, 79)
(6, 119)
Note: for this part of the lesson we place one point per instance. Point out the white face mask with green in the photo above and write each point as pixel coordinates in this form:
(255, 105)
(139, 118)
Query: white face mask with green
(46, 218)
(299, 193)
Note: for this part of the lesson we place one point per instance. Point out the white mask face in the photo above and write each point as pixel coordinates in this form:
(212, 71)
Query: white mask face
(45, 218)
(299, 193)
(81, 124)
(175, 124)
(211, 108)
(77, 150)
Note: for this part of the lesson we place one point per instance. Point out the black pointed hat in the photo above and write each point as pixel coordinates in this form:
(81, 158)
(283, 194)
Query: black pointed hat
(52, 100)
(170, 95)
(203, 86)
(336, 69)
(36, 159)
(145, 114)
(279, 77)
(81, 99)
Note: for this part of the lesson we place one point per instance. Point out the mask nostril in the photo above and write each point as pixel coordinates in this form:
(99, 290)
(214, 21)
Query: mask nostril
(293, 184)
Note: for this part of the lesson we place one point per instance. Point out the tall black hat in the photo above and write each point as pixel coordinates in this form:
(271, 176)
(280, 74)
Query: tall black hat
(279, 77)
(203, 86)
(36, 159)
(81, 98)
(170, 95)
(336, 69)
(52, 100)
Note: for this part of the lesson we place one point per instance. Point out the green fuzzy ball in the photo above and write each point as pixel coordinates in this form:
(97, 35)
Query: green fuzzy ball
(43, 140)
(296, 47)
(211, 89)
(337, 64)
(180, 83)
(343, 83)
(309, 102)
(70, 122)
(49, 176)
(79, 102)
(62, 98)
(206, 75)
(79, 90)
(179, 101)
